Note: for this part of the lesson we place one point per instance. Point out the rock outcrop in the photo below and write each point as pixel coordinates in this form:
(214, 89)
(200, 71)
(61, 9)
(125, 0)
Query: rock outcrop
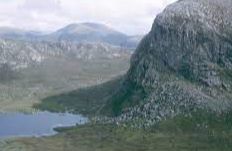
(192, 38)
(182, 65)
(21, 54)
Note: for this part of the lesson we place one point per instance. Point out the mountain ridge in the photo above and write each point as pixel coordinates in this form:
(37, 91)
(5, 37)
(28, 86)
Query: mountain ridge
(75, 32)
(21, 54)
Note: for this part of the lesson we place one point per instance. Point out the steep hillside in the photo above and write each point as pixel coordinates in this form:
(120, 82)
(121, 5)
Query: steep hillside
(183, 65)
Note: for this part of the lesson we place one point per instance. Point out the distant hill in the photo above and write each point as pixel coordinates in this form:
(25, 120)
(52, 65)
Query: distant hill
(88, 32)
(77, 33)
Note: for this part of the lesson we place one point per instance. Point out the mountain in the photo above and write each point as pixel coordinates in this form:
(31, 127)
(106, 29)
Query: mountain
(88, 32)
(175, 96)
(183, 66)
(78, 33)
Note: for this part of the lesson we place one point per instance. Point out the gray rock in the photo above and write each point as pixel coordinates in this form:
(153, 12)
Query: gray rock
(183, 64)
(21, 54)
(192, 38)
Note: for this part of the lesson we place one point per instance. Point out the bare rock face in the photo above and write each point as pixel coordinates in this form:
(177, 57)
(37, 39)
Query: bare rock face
(191, 38)
(183, 65)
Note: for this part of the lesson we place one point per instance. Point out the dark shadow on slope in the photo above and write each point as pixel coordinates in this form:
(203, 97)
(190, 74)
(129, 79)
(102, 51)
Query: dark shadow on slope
(86, 100)
(126, 96)
(109, 99)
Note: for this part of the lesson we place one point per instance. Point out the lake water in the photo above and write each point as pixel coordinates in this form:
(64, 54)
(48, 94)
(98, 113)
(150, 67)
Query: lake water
(37, 124)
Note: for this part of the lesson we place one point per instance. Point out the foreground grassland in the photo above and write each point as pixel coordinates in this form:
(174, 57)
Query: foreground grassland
(118, 138)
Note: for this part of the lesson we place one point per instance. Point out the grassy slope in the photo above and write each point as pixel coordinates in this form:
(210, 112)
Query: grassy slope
(86, 100)
(171, 135)
(95, 99)
(127, 95)
(198, 121)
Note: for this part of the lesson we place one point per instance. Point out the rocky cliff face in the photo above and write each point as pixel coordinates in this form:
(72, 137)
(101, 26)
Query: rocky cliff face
(183, 64)
(192, 38)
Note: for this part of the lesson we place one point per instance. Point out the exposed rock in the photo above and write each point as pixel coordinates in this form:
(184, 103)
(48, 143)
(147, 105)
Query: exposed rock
(183, 64)
(192, 38)
(20, 54)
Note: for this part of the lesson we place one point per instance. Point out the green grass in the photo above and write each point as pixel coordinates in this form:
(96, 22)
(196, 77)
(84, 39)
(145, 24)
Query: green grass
(109, 98)
(127, 95)
(86, 100)
(120, 138)
(199, 121)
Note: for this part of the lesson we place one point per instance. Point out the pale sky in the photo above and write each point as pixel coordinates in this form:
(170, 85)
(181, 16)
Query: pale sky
(129, 16)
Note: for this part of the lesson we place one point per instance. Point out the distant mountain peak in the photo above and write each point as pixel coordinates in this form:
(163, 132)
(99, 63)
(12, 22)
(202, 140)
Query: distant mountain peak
(75, 32)
(89, 32)
(88, 27)
(93, 25)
